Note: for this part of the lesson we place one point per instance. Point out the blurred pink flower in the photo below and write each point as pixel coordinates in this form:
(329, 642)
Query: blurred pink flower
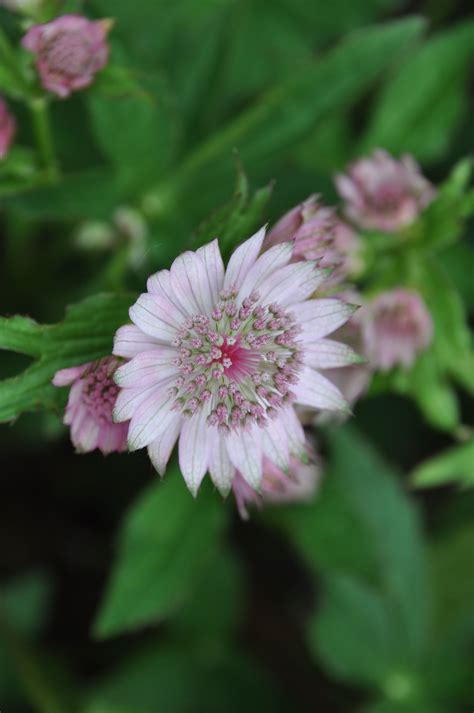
(396, 326)
(220, 357)
(382, 193)
(89, 409)
(69, 51)
(7, 128)
(297, 484)
(318, 235)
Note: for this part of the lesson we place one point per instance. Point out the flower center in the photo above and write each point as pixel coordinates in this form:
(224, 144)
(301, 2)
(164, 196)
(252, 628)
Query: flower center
(99, 391)
(241, 360)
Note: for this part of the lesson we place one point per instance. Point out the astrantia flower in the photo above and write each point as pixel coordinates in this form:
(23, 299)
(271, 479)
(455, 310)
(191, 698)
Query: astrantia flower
(7, 128)
(297, 484)
(318, 234)
(396, 326)
(89, 409)
(382, 193)
(220, 358)
(69, 51)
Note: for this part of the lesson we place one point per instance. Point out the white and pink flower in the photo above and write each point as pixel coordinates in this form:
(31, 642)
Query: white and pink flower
(69, 51)
(396, 326)
(318, 234)
(382, 193)
(91, 402)
(7, 128)
(219, 359)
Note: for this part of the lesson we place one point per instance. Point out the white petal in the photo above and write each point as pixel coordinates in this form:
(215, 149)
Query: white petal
(148, 369)
(212, 259)
(246, 453)
(221, 469)
(149, 420)
(193, 449)
(316, 391)
(150, 314)
(328, 354)
(160, 449)
(291, 284)
(275, 443)
(271, 260)
(242, 260)
(129, 400)
(190, 283)
(294, 430)
(130, 341)
(321, 317)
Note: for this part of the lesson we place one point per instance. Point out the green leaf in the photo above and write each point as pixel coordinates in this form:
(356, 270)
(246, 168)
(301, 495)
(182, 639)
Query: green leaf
(288, 113)
(420, 108)
(454, 465)
(89, 194)
(165, 545)
(372, 626)
(353, 632)
(236, 220)
(84, 335)
(136, 131)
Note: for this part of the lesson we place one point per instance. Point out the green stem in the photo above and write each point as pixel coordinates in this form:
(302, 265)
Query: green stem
(44, 139)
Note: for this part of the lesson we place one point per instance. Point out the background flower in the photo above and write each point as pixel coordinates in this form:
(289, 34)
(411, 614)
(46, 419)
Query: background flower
(7, 128)
(396, 326)
(89, 409)
(382, 193)
(69, 51)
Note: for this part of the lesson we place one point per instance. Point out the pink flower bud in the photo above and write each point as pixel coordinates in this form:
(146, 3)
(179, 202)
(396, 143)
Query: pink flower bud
(69, 51)
(318, 235)
(90, 406)
(278, 487)
(382, 193)
(396, 326)
(7, 128)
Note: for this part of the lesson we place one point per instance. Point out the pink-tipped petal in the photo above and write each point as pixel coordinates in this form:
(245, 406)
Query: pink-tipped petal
(149, 421)
(64, 377)
(275, 444)
(322, 317)
(144, 313)
(221, 469)
(147, 369)
(214, 268)
(272, 260)
(292, 284)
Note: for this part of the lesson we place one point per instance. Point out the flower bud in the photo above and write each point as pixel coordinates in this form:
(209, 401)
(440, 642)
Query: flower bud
(69, 51)
(396, 326)
(382, 193)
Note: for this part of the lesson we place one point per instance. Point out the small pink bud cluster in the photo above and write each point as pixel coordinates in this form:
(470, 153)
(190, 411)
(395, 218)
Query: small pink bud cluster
(319, 235)
(69, 51)
(7, 128)
(396, 326)
(91, 402)
(382, 193)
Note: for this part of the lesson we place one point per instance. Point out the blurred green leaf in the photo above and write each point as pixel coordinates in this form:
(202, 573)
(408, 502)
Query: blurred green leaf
(84, 335)
(235, 221)
(365, 632)
(421, 107)
(136, 131)
(454, 465)
(166, 543)
(286, 114)
(353, 632)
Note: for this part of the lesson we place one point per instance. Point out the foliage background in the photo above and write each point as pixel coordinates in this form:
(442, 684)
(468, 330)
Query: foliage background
(123, 595)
